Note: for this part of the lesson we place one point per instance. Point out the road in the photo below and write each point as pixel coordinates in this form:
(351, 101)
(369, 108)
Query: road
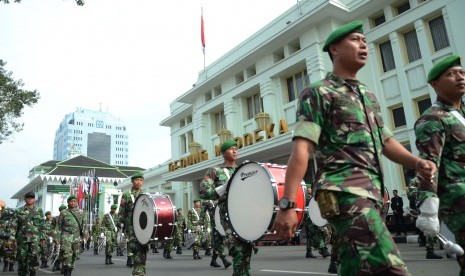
(270, 261)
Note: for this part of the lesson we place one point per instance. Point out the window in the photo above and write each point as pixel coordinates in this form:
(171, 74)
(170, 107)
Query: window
(438, 33)
(183, 144)
(254, 105)
(398, 116)
(412, 46)
(403, 7)
(220, 121)
(296, 84)
(387, 57)
(423, 105)
(379, 20)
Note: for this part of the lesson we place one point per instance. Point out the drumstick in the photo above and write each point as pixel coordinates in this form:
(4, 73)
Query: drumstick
(450, 247)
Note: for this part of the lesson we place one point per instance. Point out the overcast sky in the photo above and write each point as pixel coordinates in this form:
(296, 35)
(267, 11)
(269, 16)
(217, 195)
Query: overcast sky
(132, 58)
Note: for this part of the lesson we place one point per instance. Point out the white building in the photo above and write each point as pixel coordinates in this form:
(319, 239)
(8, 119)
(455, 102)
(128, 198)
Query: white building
(95, 134)
(266, 72)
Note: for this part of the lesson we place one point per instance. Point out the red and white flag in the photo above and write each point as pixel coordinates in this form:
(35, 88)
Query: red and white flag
(202, 32)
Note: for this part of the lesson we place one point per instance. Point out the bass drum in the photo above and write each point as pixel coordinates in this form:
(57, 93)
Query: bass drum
(252, 199)
(153, 218)
(315, 214)
(218, 225)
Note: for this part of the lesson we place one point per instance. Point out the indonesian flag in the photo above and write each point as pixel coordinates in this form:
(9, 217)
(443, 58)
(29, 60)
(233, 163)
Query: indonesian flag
(202, 32)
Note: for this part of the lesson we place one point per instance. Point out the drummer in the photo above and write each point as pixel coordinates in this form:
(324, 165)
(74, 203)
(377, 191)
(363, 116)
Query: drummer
(213, 187)
(137, 253)
(340, 118)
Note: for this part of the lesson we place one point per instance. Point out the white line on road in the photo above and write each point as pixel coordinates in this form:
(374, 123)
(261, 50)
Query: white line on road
(295, 272)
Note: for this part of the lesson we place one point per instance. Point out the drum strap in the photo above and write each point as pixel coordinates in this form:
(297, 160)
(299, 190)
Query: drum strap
(132, 198)
(113, 222)
(196, 214)
(227, 173)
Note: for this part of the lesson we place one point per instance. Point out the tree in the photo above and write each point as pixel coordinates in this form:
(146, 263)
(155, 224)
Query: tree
(79, 2)
(12, 102)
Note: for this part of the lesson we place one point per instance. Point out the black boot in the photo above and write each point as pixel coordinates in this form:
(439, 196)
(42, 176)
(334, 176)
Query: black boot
(110, 261)
(130, 262)
(67, 272)
(5, 267)
(431, 255)
(45, 264)
(226, 263)
(168, 255)
(179, 250)
(214, 263)
(107, 260)
(208, 252)
(309, 254)
(56, 266)
(332, 265)
(42, 263)
(32, 272)
(10, 267)
(323, 252)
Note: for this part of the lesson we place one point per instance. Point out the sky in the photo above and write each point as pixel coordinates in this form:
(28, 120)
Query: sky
(128, 58)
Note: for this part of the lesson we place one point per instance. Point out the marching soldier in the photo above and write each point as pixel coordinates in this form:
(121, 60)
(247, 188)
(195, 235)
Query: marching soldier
(109, 226)
(181, 226)
(56, 240)
(316, 235)
(9, 246)
(27, 223)
(71, 230)
(95, 232)
(46, 235)
(195, 224)
(137, 253)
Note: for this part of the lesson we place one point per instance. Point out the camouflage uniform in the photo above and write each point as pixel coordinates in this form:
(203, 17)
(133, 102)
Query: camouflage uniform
(45, 247)
(343, 119)
(238, 249)
(96, 230)
(26, 227)
(196, 221)
(109, 226)
(440, 137)
(317, 238)
(136, 251)
(176, 240)
(9, 247)
(68, 233)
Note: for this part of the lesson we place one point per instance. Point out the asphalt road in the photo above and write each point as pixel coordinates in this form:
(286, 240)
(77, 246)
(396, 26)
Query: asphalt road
(270, 261)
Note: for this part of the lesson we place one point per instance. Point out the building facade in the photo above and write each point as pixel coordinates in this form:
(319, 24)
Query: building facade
(96, 134)
(250, 94)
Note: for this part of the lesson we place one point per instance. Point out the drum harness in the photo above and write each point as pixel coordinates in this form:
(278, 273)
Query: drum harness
(113, 222)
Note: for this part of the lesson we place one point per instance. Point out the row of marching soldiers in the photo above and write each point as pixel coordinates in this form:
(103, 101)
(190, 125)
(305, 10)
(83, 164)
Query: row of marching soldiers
(29, 236)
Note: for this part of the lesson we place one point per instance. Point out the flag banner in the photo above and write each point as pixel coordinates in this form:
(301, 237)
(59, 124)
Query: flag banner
(202, 32)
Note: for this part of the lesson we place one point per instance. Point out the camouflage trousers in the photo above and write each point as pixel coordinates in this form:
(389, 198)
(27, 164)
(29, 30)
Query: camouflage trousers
(69, 251)
(110, 243)
(217, 244)
(316, 236)
(367, 246)
(456, 224)
(27, 257)
(198, 239)
(175, 241)
(9, 252)
(139, 255)
(45, 249)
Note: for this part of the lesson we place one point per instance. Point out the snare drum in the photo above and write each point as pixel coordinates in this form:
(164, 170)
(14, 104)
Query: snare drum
(153, 218)
(252, 198)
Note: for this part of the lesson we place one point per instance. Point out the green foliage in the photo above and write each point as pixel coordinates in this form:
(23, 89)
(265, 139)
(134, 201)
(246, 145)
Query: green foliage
(13, 99)
(78, 2)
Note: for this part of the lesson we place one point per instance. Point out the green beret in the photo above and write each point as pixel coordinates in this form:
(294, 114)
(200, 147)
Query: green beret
(114, 206)
(309, 186)
(71, 198)
(48, 213)
(443, 65)
(197, 200)
(137, 175)
(343, 31)
(226, 145)
(179, 209)
(62, 207)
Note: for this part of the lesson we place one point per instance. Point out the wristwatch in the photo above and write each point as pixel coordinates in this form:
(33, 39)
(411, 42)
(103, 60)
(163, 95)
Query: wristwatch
(285, 204)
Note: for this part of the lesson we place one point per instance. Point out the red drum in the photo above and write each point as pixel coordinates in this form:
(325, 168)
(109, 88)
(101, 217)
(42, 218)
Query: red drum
(253, 193)
(153, 218)
(385, 209)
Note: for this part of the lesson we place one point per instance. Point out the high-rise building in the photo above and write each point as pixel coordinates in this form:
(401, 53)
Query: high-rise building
(95, 134)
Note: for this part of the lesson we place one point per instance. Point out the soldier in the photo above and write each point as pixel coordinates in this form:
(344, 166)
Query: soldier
(71, 231)
(316, 235)
(137, 253)
(109, 223)
(56, 240)
(46, 234)
(340, 118)
(213, 187)
(195, 224)
(9, 246)
(27, 222)
(181, 226)
(209, 210)
(95, 232)
(440, 137)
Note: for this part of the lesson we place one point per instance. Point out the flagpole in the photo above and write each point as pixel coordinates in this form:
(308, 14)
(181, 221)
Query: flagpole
(202, 38)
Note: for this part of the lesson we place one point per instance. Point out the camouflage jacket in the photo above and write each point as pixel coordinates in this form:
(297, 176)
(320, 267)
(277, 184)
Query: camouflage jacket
(181, 222)
(214, 178)
(126, 207)
(47, 230)
(107, 223)
(345, 124)
(195, 218)
(440, 137)
(27, 223)
(70, 227)
(97, 229)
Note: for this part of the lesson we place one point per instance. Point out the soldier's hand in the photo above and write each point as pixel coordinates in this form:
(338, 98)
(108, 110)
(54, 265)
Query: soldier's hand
(285, 223)
(426, 169)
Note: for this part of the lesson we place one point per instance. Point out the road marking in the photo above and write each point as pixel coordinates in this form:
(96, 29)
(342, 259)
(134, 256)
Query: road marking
(295, 272)
(46, 271)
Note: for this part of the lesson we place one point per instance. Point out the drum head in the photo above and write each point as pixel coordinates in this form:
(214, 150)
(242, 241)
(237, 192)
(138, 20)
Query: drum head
(315, 214)
(250, 201)
(218, 225)
(143, 218)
